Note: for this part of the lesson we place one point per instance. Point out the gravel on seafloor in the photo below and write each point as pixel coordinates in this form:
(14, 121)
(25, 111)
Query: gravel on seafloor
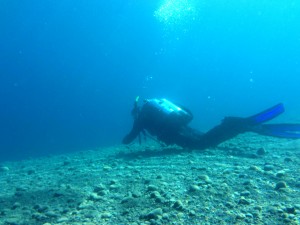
(248, 180)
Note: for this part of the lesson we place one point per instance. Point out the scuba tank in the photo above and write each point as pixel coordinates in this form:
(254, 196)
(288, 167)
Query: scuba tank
(168, 112)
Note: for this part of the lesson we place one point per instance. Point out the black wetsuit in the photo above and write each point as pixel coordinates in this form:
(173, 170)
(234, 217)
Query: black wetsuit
(171, 131)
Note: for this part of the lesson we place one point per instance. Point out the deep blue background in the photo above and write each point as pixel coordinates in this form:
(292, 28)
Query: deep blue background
(70, 69)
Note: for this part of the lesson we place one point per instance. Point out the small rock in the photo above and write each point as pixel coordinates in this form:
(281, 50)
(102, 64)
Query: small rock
(247, 182)
(31, 171)
(194, 188)
(159, 177)
(114, 181)
(106, 215)
(204, 178)
(114, 186)
(288, 159)
(51, 214)
(261, 151)
(62, 220)
(57, 194)
(155, 194)
(229, 205)
(103, 192)
(291, 210)
(95, 197)
(280, 174)
(126, 199)
(280, 184)
(16, 205)
(192, 213)
(65, 163)
(258, 207)
(99, 188)
(178, 205)
(40, 208)
(107, 168)
(249, 215)
(245, 193)
(152, 188)
(154, 214)
(240, 216)
(268, 167)
(12, 221)
(39, 217)
(255, 168)
(244, 201)
(136, 194)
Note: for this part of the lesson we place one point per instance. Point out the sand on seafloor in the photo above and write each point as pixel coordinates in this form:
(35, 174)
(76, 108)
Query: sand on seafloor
(248, 180)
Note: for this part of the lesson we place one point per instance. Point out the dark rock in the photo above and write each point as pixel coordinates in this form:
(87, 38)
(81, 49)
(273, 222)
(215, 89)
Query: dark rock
(280, 184)
(288, 159)
(268, 167)
(261, 151)
(291, 210)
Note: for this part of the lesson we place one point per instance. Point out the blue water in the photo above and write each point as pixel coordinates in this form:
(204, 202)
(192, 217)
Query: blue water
(70, 69)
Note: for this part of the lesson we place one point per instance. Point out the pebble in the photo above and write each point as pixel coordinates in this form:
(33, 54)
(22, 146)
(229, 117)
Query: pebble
(255, 168)
(240, 216)
(16, 205)
(249, 215)
(39, 217)
(152, 188)
(106, 215)
(155, 213)
(155, 194)
(280, 174)
(95, 197)
(12, 221)
(107, 168)
(291, 210)
(204, 178)
(51, 214)
(126, 200)
(178, 205)
(245, 193)
(280, 184)
(194, 188)
(31, 171)
(261, 151)
(258, 207)
(288, 159)
(114, 186)
(103, 192)
(268, 167)
(244, 201)
(229, 205)
(62, 220)
(99, 188)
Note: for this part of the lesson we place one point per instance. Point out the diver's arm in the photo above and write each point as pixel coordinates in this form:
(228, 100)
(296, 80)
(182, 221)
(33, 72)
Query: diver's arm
(135, 131)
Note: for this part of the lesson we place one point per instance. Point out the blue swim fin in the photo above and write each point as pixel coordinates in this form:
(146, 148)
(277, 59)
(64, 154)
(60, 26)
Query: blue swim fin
(279, 130)
(266, 115)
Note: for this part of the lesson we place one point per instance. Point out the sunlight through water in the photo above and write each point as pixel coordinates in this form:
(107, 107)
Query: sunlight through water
(174, 13)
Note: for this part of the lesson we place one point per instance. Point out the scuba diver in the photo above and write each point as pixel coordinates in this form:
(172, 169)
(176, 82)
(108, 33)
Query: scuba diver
(168, 122)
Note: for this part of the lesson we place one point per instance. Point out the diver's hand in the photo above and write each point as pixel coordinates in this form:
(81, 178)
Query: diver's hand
(127, 140)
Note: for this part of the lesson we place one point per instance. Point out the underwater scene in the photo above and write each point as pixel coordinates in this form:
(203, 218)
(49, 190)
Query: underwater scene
(149, 112)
